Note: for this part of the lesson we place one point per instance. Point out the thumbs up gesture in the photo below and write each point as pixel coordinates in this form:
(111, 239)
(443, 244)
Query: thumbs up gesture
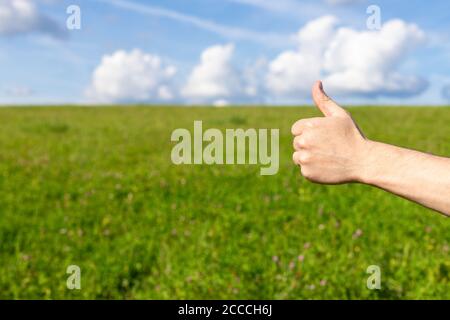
(329, 149)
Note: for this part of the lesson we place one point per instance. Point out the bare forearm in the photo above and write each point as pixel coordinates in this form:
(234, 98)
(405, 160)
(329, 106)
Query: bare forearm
(414, 175)
(333, 150)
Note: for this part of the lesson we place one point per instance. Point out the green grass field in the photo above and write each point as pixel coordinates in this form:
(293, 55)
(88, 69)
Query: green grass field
(95, 187)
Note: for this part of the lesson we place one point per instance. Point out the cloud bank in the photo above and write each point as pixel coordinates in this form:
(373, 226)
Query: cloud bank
(350, 62)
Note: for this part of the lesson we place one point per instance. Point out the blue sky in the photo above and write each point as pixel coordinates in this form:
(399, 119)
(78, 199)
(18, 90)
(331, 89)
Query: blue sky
(253, 52)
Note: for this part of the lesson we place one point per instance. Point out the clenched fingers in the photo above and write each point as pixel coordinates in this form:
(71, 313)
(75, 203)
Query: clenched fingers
(301, 125)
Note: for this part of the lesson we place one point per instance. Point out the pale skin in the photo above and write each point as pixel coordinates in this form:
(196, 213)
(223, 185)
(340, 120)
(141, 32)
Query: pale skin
(332, 150)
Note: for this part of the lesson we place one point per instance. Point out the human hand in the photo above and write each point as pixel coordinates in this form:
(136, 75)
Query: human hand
(330, 149)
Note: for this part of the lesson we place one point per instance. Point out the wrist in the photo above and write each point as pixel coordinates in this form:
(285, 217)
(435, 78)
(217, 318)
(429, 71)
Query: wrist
(368, 162)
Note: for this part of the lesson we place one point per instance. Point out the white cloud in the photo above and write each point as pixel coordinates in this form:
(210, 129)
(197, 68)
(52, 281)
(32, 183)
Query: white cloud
(131, 77)
(216, 80)
(292, 72)
(164, 93)
(22, 16)
(214, 77)
(349, 61)
(365, 62)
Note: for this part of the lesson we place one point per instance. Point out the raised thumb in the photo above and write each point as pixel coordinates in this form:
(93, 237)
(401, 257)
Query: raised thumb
(328, 107)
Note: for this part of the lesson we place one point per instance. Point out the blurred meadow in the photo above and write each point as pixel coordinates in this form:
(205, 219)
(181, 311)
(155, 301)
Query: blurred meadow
(96, 187)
